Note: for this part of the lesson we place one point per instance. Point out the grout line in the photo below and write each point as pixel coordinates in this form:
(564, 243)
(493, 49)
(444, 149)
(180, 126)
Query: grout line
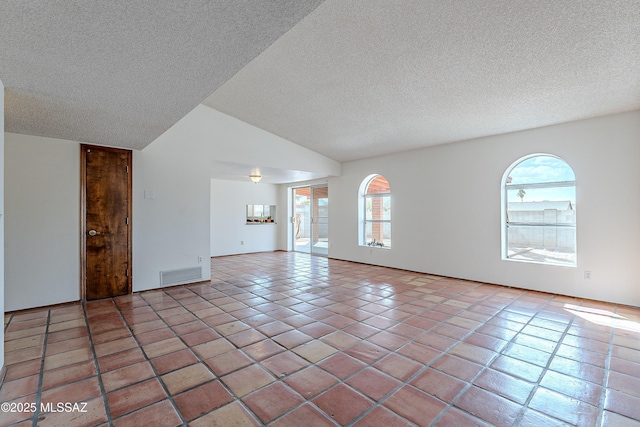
(605, 379)
(410, 340)
(484, 367)
(313, 277)
(153, 368)
(201, 360)
(103, 392)
(278, 379)
(38, 396)
(255, 362)
(545, 369)
(428, 365)
(6, 325)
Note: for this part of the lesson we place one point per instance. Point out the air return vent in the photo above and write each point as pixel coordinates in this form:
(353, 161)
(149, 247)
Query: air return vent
(182, 275)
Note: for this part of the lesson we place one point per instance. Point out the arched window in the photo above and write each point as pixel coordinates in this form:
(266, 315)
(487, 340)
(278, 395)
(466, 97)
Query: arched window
(539, 211)
(375, 212)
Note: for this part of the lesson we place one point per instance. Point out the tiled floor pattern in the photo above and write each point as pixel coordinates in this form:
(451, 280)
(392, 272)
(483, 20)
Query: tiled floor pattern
(284, 339)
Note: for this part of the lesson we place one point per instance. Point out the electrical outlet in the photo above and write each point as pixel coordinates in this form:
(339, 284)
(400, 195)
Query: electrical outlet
(587, 275)
(242, 242)
(200, 259)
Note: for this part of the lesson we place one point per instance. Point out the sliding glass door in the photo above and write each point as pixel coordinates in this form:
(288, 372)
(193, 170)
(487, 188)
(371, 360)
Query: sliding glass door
(311, 220)
(302, 219)
(320, 220)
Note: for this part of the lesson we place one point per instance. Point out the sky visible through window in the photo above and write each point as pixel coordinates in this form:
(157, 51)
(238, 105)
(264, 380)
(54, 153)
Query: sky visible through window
(541, 169)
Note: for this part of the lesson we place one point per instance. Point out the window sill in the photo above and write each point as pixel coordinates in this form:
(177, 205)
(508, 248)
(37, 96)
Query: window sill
(553, 264)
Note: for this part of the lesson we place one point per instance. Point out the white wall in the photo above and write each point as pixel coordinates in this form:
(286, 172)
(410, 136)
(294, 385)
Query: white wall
(446, 208)
(42, 218)
(228, 214)
(224, 138)
(2, 211)
(171, 231)
(43, 208)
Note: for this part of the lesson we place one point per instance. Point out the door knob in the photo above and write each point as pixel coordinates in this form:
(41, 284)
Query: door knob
(93, 232)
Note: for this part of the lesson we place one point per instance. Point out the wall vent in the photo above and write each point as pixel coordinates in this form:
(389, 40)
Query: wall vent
(182, 275)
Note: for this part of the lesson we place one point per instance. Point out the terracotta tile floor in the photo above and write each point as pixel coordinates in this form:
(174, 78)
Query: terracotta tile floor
(285, 339)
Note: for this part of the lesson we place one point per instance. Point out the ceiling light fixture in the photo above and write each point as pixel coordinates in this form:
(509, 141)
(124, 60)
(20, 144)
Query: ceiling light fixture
(255, 178)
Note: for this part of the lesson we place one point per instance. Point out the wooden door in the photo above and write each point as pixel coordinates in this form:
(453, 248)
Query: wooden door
(106, 225)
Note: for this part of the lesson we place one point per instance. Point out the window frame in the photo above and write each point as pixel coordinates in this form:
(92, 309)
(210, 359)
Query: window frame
(364, 187)
(506, 223)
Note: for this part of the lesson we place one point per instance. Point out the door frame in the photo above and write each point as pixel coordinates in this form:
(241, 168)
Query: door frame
(83, 215)
(292, 236)
(312, 224)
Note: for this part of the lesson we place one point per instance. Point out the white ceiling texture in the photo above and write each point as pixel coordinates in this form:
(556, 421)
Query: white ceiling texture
(348, 79)
(121, 73)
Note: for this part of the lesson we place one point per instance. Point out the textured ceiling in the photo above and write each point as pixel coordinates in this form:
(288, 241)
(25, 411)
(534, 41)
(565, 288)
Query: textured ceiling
(348, 79)
(358, 79)
(121, 73)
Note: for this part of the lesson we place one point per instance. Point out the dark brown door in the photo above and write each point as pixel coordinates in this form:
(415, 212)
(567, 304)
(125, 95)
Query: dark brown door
(106, 229)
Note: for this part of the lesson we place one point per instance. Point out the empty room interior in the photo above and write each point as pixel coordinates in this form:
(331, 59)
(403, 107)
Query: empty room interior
(320, 213)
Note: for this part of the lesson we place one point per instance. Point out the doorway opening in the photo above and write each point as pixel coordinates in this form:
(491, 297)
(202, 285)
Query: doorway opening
(310, 231)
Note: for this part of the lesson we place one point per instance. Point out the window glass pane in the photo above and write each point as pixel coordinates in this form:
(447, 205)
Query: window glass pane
(378, 185)
(541, 212)
(540, 169)
(386, 234)
(377, 208)
(554, 245)
(544, 210)
(386, 207)
(535, 195)
(368, 233)
(378, 234)
(323, 208)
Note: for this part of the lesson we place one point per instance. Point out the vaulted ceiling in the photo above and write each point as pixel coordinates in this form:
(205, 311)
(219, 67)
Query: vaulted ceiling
(347, 79)
(360, 79)
(121, 73)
